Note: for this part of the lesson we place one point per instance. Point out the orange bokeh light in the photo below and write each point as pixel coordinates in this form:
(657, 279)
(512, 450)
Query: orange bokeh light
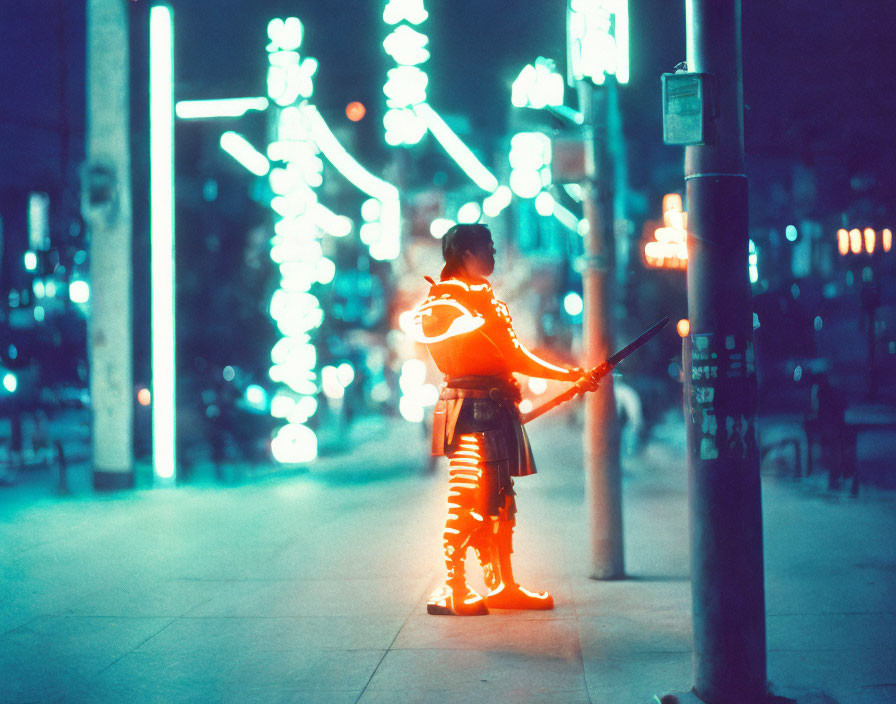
(855, 240)
(144, 397)
(669, 248)
(886, 239)
(870, 238)
(842, 241)
(355, 111)
(683, 327)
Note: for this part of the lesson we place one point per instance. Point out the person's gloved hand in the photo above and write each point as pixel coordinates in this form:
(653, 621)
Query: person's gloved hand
(590, 381)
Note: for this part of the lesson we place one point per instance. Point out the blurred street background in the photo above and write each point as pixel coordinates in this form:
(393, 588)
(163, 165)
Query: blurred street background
(817, 138)
(215, 218)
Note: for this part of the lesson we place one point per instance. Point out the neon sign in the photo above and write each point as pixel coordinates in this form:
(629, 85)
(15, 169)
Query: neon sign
(295, 247)
(669, 249)
(597, 40)
(406, 84)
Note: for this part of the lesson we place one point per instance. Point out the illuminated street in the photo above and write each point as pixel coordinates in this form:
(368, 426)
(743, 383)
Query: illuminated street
(312, 587)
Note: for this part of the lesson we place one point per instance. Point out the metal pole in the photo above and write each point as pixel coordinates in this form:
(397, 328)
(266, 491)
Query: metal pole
(106, 206)
(603, 485)
(723, 465)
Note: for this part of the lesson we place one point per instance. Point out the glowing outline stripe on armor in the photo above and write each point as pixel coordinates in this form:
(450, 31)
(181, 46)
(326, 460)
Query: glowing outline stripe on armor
(467, 322)
(541, 361)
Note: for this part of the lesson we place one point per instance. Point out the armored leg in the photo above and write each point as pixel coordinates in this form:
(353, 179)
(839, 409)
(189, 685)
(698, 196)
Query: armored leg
(463, 523)
(494, 548)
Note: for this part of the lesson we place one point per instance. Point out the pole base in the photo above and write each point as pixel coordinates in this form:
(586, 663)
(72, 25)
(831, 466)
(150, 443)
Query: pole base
(677, 698)
(112, 481)
(691, 698)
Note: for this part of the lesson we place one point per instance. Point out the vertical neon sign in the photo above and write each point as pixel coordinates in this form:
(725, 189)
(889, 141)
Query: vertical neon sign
(597, 33)
(406, 84)
(295, 247)
(161, 136)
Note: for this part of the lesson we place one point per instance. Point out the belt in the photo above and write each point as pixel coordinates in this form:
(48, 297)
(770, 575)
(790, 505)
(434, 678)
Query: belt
(496, 388)
(451, 393)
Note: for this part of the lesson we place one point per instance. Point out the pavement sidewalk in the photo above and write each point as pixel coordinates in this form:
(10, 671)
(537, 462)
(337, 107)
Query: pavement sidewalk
(311, 588)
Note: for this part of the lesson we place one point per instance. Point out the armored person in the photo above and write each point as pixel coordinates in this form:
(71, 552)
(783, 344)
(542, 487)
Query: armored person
(470, 336)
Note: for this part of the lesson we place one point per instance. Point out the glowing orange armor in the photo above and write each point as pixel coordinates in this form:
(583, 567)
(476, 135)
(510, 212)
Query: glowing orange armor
(469, 334)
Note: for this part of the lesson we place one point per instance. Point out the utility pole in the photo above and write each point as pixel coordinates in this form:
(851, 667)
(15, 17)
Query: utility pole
(106, 206)
(603, 482)
(727, 576)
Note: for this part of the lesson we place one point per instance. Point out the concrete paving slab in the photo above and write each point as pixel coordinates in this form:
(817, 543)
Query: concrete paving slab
(631, 595)
(628, 633)
(50, 655)
(140, 693)
(22, 599)
(462, 672)
(11, 618)
(636, 678)
(314, 597)
(499, 631)
(481, 693)
(231, 635)
(170, 598)
(278, 695)
(392, 560)
(306, 669)
(815, 632)
(847, 591)
(849, 676)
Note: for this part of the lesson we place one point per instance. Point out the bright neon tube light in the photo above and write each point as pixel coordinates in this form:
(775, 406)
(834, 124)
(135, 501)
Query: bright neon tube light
(346, 164)
(161, 141)
(456, 149)
(228, 107)
(331, 223)
(574, 190)
(240, 149)
(621, 36)
(566, 217)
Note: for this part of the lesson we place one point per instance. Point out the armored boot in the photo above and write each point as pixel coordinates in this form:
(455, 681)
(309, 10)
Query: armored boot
(455, 598)
(494, 549)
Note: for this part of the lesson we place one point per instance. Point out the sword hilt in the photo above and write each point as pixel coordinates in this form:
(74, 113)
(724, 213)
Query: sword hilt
(590, 379)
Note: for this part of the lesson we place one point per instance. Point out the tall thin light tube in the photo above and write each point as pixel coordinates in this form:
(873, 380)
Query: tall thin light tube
(161, 139)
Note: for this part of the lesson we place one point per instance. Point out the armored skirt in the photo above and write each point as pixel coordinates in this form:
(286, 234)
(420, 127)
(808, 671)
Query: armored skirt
(485, 408)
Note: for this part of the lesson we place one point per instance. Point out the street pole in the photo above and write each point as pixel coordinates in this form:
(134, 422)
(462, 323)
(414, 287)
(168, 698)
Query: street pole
(106, 207)
(723, 467)
(603, 483)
